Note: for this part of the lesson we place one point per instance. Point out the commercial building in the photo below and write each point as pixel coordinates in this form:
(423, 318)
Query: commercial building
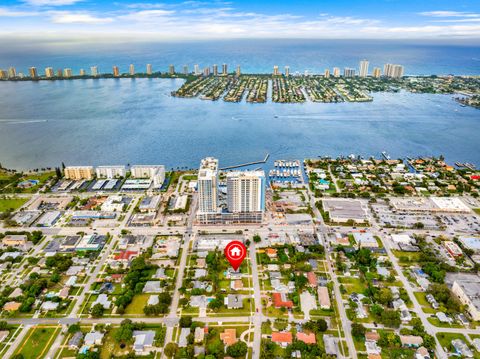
(364, 68)
(79, 173)
(467, 288)
(110, 171)
(155, 172)
(472, 243)
(453, 249)
(33, 72)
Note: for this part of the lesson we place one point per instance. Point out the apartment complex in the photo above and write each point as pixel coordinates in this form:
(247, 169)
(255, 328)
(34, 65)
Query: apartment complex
(79, 172)
(245, 195)
(110, 171)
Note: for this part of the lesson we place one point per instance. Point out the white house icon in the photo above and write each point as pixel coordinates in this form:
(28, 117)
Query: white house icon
(235, 252)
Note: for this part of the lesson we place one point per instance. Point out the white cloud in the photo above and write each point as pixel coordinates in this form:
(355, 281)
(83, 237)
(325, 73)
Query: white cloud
(5, 12)
(51, 2)
(449, 14)
(65, 17)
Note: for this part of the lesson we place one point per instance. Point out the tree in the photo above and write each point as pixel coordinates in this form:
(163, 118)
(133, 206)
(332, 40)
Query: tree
(97, 310)
(185, 322)
(390, 318)
(170, 350)
(257, 238)
(358, 330)
(124, 334)
(239, 349)
(72, 329)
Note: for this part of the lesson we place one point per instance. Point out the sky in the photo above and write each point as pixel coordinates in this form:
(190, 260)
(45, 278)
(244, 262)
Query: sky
(97, 20)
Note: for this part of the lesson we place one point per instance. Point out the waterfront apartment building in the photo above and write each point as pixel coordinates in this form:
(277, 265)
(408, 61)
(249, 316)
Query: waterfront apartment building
(326, 74)
(287, 71)
(336, 72)
(348, 72)
(196, 69)
(206, 71)
(149, 69)
(239, 71)
(12, 72)
(33, 72)
(59, 73)
(377, 72)
(3, 75)
(171, 70)
(246, 191)
(364, 68)
(207, 185)
(131, 70)
(275, 71)
(215, 70)
(393, 70)
(116, 71)
(82, 72)
(94, 70)
(110, 171)
(224, 69)
(49, 73)
(78, 173)
(154, 172)
(185, 70)
(67, 73)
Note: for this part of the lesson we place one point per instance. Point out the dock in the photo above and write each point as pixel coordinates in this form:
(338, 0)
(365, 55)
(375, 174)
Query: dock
(246, 164)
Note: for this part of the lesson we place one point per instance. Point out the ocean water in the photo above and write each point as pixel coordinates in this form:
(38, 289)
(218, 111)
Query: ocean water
(136, 121)
(254, 56)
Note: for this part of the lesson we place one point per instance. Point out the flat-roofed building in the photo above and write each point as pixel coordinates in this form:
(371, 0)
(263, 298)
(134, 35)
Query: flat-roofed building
(154, 172)
(79, 173)
(324, 298)
(110, 171)
(453, 249)
(467, 288)
(472, 243)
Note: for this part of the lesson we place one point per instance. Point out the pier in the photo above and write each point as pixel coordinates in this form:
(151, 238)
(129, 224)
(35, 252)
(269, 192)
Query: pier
(246, 164)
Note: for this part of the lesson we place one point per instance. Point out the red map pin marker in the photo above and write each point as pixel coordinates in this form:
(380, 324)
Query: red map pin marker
(235, 252)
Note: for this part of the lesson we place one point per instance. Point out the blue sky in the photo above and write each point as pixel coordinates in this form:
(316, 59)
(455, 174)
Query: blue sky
(178, 20)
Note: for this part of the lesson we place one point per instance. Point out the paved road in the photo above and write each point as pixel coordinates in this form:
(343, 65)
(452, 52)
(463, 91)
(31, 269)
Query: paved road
(258, 316)
(173, 316)
(346, 324)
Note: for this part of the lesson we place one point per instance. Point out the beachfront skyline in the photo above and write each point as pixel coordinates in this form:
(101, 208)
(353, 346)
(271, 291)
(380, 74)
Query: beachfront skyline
(184, 20)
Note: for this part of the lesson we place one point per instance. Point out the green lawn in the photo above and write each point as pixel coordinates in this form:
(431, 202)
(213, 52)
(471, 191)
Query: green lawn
(11, 203)
(446, 338)
(37, 342)
(136, 306)
(427, 308)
